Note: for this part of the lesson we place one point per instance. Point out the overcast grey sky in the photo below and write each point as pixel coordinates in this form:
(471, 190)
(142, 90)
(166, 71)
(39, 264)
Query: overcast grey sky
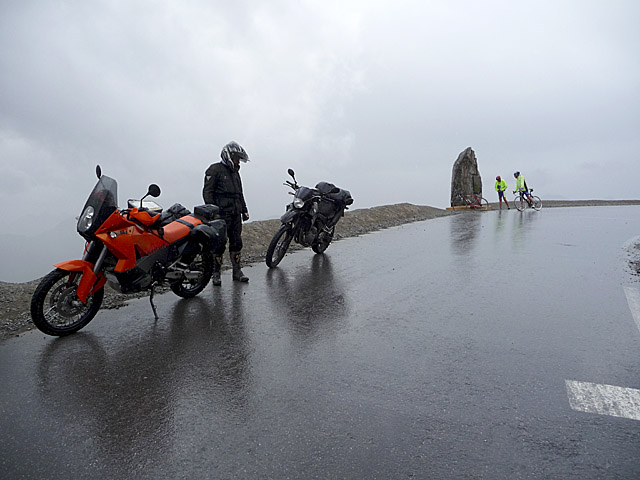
(378, 97)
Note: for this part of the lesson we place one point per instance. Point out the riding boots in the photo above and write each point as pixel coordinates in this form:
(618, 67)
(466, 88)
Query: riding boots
(238, 276)
(217, 265)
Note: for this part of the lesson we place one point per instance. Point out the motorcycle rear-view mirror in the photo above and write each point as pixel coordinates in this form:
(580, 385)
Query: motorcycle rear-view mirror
(98, 171)
(292, 173)
(154, 190)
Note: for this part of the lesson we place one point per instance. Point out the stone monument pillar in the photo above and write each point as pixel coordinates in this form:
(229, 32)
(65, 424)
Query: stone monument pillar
(465, 177)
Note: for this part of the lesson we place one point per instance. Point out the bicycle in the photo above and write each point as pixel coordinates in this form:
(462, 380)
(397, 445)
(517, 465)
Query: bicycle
(472, 201)
(522, 202)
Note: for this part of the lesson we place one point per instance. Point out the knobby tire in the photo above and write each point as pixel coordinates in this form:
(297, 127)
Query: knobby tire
(278, 246)
(202, 262)
(321, 246)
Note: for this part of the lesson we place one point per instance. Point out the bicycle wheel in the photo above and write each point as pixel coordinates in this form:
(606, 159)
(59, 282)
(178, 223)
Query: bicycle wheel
(537, 203)
(484, 204)
(520, 203)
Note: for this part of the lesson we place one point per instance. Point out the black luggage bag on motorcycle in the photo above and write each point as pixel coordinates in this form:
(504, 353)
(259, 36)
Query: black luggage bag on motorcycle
(214, 227)
(333, 203)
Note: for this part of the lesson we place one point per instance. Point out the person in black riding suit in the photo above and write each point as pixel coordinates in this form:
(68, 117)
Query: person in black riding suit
(223, 187)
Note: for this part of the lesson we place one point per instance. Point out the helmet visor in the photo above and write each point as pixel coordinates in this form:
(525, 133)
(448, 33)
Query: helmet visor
(240, 156)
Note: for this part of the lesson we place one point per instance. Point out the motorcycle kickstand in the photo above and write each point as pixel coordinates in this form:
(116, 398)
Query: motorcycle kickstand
(153, 307)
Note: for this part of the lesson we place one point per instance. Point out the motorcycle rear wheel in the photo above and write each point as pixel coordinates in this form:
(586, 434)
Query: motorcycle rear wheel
(202, 262)
(55, 307)
(325, 239)
(279, 245)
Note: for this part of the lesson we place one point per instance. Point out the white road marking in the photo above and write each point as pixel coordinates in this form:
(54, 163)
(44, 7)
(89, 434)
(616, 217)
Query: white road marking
(604, 399)
(609, 399)
(633, 299)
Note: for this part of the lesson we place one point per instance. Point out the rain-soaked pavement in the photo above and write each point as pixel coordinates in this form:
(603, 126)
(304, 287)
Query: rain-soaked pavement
(440, 349)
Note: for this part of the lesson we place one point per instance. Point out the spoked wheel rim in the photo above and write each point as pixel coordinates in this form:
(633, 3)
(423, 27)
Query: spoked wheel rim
(62, 308)
(482, 204)
(192, 282)
(200, 271)
(537, 203)
(519, 203)
(56, 308)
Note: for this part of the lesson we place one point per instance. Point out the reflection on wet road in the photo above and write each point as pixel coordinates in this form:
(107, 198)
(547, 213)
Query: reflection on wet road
(440, 349)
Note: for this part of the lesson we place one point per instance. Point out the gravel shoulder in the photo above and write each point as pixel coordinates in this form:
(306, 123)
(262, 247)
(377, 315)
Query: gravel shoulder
(15, 298)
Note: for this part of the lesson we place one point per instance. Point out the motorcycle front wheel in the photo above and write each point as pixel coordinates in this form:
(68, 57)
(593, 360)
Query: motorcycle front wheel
(55, 307)
(200, 269)
(279, 245)
(324, 239)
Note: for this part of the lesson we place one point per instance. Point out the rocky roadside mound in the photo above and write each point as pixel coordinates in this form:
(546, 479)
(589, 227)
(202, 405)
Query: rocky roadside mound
(15, 298)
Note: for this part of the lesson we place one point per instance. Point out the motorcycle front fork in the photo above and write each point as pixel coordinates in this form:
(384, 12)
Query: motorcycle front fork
(95, 249)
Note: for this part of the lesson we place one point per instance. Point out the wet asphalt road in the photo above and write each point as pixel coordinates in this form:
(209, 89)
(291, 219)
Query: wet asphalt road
(438, 349)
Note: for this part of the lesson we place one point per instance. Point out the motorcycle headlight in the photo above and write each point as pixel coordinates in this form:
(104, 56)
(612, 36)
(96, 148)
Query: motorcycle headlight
(86, 219)
(298, 202)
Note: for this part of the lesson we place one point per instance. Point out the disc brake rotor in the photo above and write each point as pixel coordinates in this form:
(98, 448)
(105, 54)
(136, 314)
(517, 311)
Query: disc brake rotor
(68, 304)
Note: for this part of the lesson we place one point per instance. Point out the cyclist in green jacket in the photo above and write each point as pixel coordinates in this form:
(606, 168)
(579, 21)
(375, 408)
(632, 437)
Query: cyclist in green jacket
(521, 186)
(501, 187)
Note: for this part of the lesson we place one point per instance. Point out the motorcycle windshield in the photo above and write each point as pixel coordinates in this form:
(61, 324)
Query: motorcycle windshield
(305, 193)
(103, 201)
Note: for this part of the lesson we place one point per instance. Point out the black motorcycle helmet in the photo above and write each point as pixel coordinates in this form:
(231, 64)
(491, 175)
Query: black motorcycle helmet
(233, 151)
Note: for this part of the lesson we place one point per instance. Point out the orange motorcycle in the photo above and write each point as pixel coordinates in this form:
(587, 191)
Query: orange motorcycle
(133, 249)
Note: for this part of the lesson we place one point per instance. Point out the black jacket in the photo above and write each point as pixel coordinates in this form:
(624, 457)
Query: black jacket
(223, 187)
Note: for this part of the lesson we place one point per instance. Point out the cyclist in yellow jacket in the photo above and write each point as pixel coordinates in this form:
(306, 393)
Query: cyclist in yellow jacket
(501, 187)
(521, 186)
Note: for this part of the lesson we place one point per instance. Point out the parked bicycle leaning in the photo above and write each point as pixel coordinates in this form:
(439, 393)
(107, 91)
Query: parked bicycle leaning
(473, 201)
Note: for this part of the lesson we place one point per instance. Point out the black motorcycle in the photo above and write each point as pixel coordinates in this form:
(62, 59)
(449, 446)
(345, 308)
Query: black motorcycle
(310, 219)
